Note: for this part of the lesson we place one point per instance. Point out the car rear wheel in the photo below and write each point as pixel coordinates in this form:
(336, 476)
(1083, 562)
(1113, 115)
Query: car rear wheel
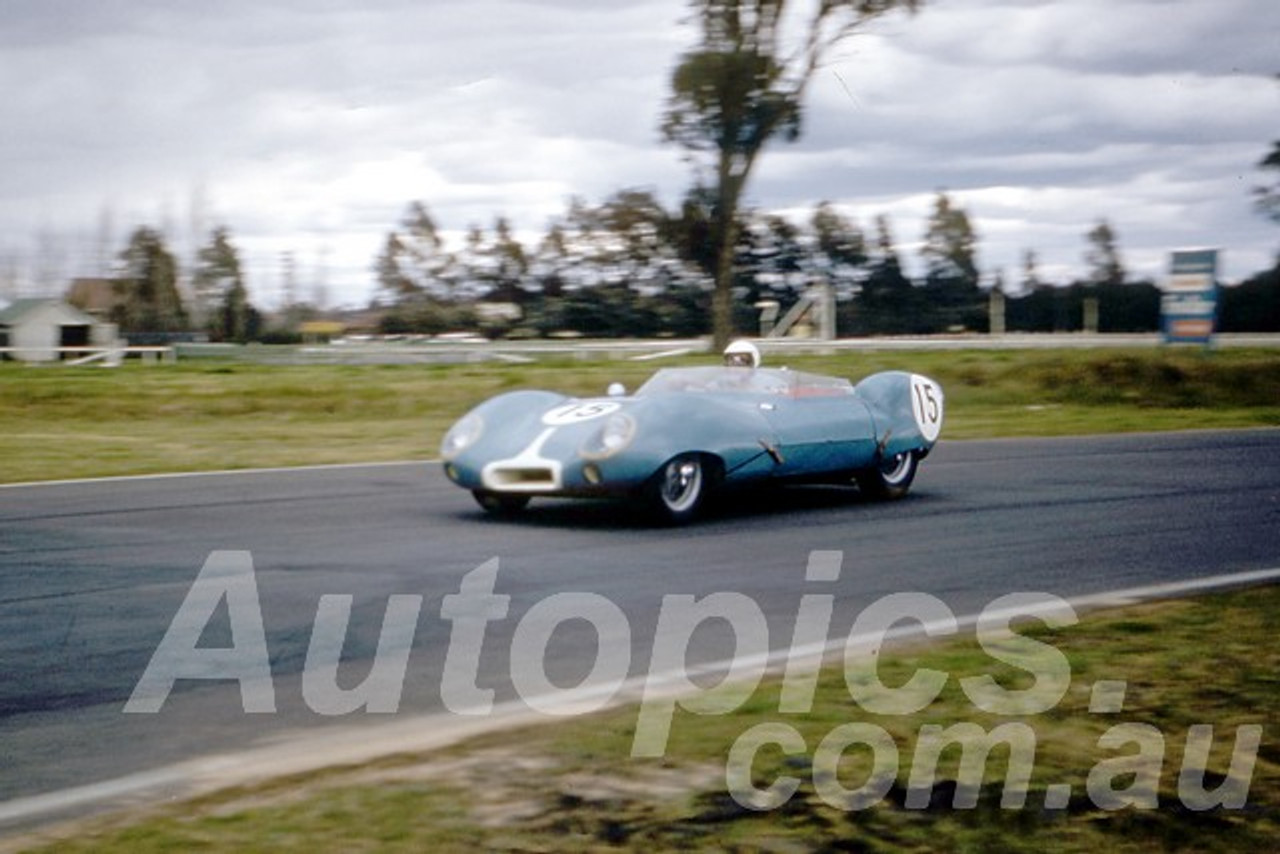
(500, 504)
(679, 489)
(891, 478)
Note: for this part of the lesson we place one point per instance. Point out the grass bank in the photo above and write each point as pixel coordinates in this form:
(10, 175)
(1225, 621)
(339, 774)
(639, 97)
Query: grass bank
(573, 785)
(59, 422)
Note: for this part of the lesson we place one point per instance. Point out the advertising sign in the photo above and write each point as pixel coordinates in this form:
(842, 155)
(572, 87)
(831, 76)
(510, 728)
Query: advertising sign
(1189, 306)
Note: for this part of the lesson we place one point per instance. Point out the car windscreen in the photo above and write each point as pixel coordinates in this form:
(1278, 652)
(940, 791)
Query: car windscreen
(717, 379)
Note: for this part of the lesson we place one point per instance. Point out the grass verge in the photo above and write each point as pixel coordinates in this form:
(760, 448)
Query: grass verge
(59, 422)
(573, 786)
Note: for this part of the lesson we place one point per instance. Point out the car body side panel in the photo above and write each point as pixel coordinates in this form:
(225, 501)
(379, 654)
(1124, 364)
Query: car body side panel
(727, 427)
(821, 434)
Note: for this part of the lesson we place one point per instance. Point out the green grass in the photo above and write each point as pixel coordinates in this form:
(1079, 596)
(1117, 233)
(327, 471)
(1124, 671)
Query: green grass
(572, 785)
(59, 422)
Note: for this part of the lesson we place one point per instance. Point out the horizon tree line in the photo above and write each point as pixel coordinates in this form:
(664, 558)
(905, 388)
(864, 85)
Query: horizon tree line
(630, 267)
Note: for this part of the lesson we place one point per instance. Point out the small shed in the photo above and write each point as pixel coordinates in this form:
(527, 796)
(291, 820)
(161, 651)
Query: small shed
(40, 330)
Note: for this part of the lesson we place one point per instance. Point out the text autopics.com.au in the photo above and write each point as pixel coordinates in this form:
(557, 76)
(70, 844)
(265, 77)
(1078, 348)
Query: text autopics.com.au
(1126, 773)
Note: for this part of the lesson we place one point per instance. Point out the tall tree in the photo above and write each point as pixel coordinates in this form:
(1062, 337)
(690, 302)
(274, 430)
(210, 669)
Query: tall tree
(149, 286)
(1102, 256)
(694, 227)
(238, 320)
(491, 265)
(1030, 272)
(741, 86)
(951, 269)
(840, 249)
(777, 262)
(950, 244)
(414, 262)
(217, 271)
(393, 280)
(550, 263)
(495, 266)
(1267, 196)
(220, 288)
(887, 302)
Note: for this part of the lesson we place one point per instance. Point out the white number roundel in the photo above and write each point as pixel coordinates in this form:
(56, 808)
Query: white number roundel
(926, 406)
(573, 413)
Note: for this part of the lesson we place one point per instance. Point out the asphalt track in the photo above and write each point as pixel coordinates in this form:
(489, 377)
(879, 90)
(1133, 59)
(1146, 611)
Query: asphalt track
(92, 573)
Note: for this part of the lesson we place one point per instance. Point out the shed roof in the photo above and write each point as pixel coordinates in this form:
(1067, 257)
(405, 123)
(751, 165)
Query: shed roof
(97, 296)
(21, 308)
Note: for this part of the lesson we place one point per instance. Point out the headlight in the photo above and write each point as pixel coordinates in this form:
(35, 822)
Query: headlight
(461, 436)
(615, 434)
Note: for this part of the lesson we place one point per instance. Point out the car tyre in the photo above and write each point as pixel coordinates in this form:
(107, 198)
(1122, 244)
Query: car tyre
(679, 490)
(891, 478)
(500, 504)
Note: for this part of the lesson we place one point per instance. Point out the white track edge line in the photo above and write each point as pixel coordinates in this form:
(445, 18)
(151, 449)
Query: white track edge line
(177, 475)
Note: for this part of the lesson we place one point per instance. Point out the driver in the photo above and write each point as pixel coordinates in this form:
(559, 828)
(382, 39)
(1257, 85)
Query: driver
(741, 354)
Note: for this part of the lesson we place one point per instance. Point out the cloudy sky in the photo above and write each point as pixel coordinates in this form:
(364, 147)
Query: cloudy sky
(307, 126)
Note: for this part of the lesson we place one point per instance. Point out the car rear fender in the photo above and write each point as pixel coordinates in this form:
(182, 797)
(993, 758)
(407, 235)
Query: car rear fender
(907, 410)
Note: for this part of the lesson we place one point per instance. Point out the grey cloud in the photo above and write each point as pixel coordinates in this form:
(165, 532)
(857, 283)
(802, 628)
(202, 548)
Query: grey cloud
(313, 121)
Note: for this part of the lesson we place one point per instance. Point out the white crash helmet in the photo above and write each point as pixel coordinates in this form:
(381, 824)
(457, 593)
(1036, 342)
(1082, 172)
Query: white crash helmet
(742, 354)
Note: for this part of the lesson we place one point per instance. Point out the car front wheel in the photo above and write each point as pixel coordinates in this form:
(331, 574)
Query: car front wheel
(891, 477)
(679, 490)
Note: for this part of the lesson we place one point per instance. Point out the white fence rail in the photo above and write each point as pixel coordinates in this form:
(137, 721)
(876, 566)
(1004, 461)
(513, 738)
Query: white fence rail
(109, 356)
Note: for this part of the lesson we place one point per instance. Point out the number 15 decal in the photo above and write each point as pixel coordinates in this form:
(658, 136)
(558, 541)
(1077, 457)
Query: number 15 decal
(577, 411)
(926, 406)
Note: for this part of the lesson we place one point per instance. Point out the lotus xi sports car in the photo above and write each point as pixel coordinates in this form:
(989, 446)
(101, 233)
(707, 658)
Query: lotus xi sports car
(690, 432)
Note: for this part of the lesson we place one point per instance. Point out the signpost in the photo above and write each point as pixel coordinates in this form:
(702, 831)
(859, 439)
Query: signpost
(1189, 306)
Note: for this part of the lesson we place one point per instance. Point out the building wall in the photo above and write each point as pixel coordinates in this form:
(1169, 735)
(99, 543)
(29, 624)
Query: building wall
(38, 334)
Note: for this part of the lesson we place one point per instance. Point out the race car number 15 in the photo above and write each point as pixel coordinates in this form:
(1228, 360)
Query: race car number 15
(577, 411)
(926, 406)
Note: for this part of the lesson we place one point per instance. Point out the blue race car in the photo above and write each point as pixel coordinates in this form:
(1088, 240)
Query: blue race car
(689, 432)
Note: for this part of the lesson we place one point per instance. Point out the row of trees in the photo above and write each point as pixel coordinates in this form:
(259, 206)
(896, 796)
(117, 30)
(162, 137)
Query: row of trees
(147, 300)
(630, 267)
